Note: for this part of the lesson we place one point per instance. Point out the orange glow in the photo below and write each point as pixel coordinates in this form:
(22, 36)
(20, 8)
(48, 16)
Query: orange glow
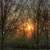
(29, 32)
(27, 28)
(29, 35)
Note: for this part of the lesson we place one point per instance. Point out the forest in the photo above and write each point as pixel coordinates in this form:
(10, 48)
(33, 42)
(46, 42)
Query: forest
(24, 24)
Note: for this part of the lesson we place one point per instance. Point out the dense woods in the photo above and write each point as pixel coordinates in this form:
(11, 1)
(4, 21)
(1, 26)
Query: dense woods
(23, 19)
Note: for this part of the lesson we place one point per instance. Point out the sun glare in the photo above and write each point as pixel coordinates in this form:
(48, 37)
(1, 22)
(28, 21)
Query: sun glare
(28, 28)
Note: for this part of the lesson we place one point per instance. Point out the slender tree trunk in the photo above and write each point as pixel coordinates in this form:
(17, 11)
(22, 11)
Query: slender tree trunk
(2, 18)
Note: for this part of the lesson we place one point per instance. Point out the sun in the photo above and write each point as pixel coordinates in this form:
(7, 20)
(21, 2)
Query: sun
(29, 27)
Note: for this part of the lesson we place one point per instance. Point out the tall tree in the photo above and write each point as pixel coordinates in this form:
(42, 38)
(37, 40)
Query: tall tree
(5, 7)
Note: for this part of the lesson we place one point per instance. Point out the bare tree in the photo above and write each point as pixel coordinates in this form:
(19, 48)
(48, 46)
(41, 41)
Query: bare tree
(15, 12)
(41, 14)
(5, 7)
